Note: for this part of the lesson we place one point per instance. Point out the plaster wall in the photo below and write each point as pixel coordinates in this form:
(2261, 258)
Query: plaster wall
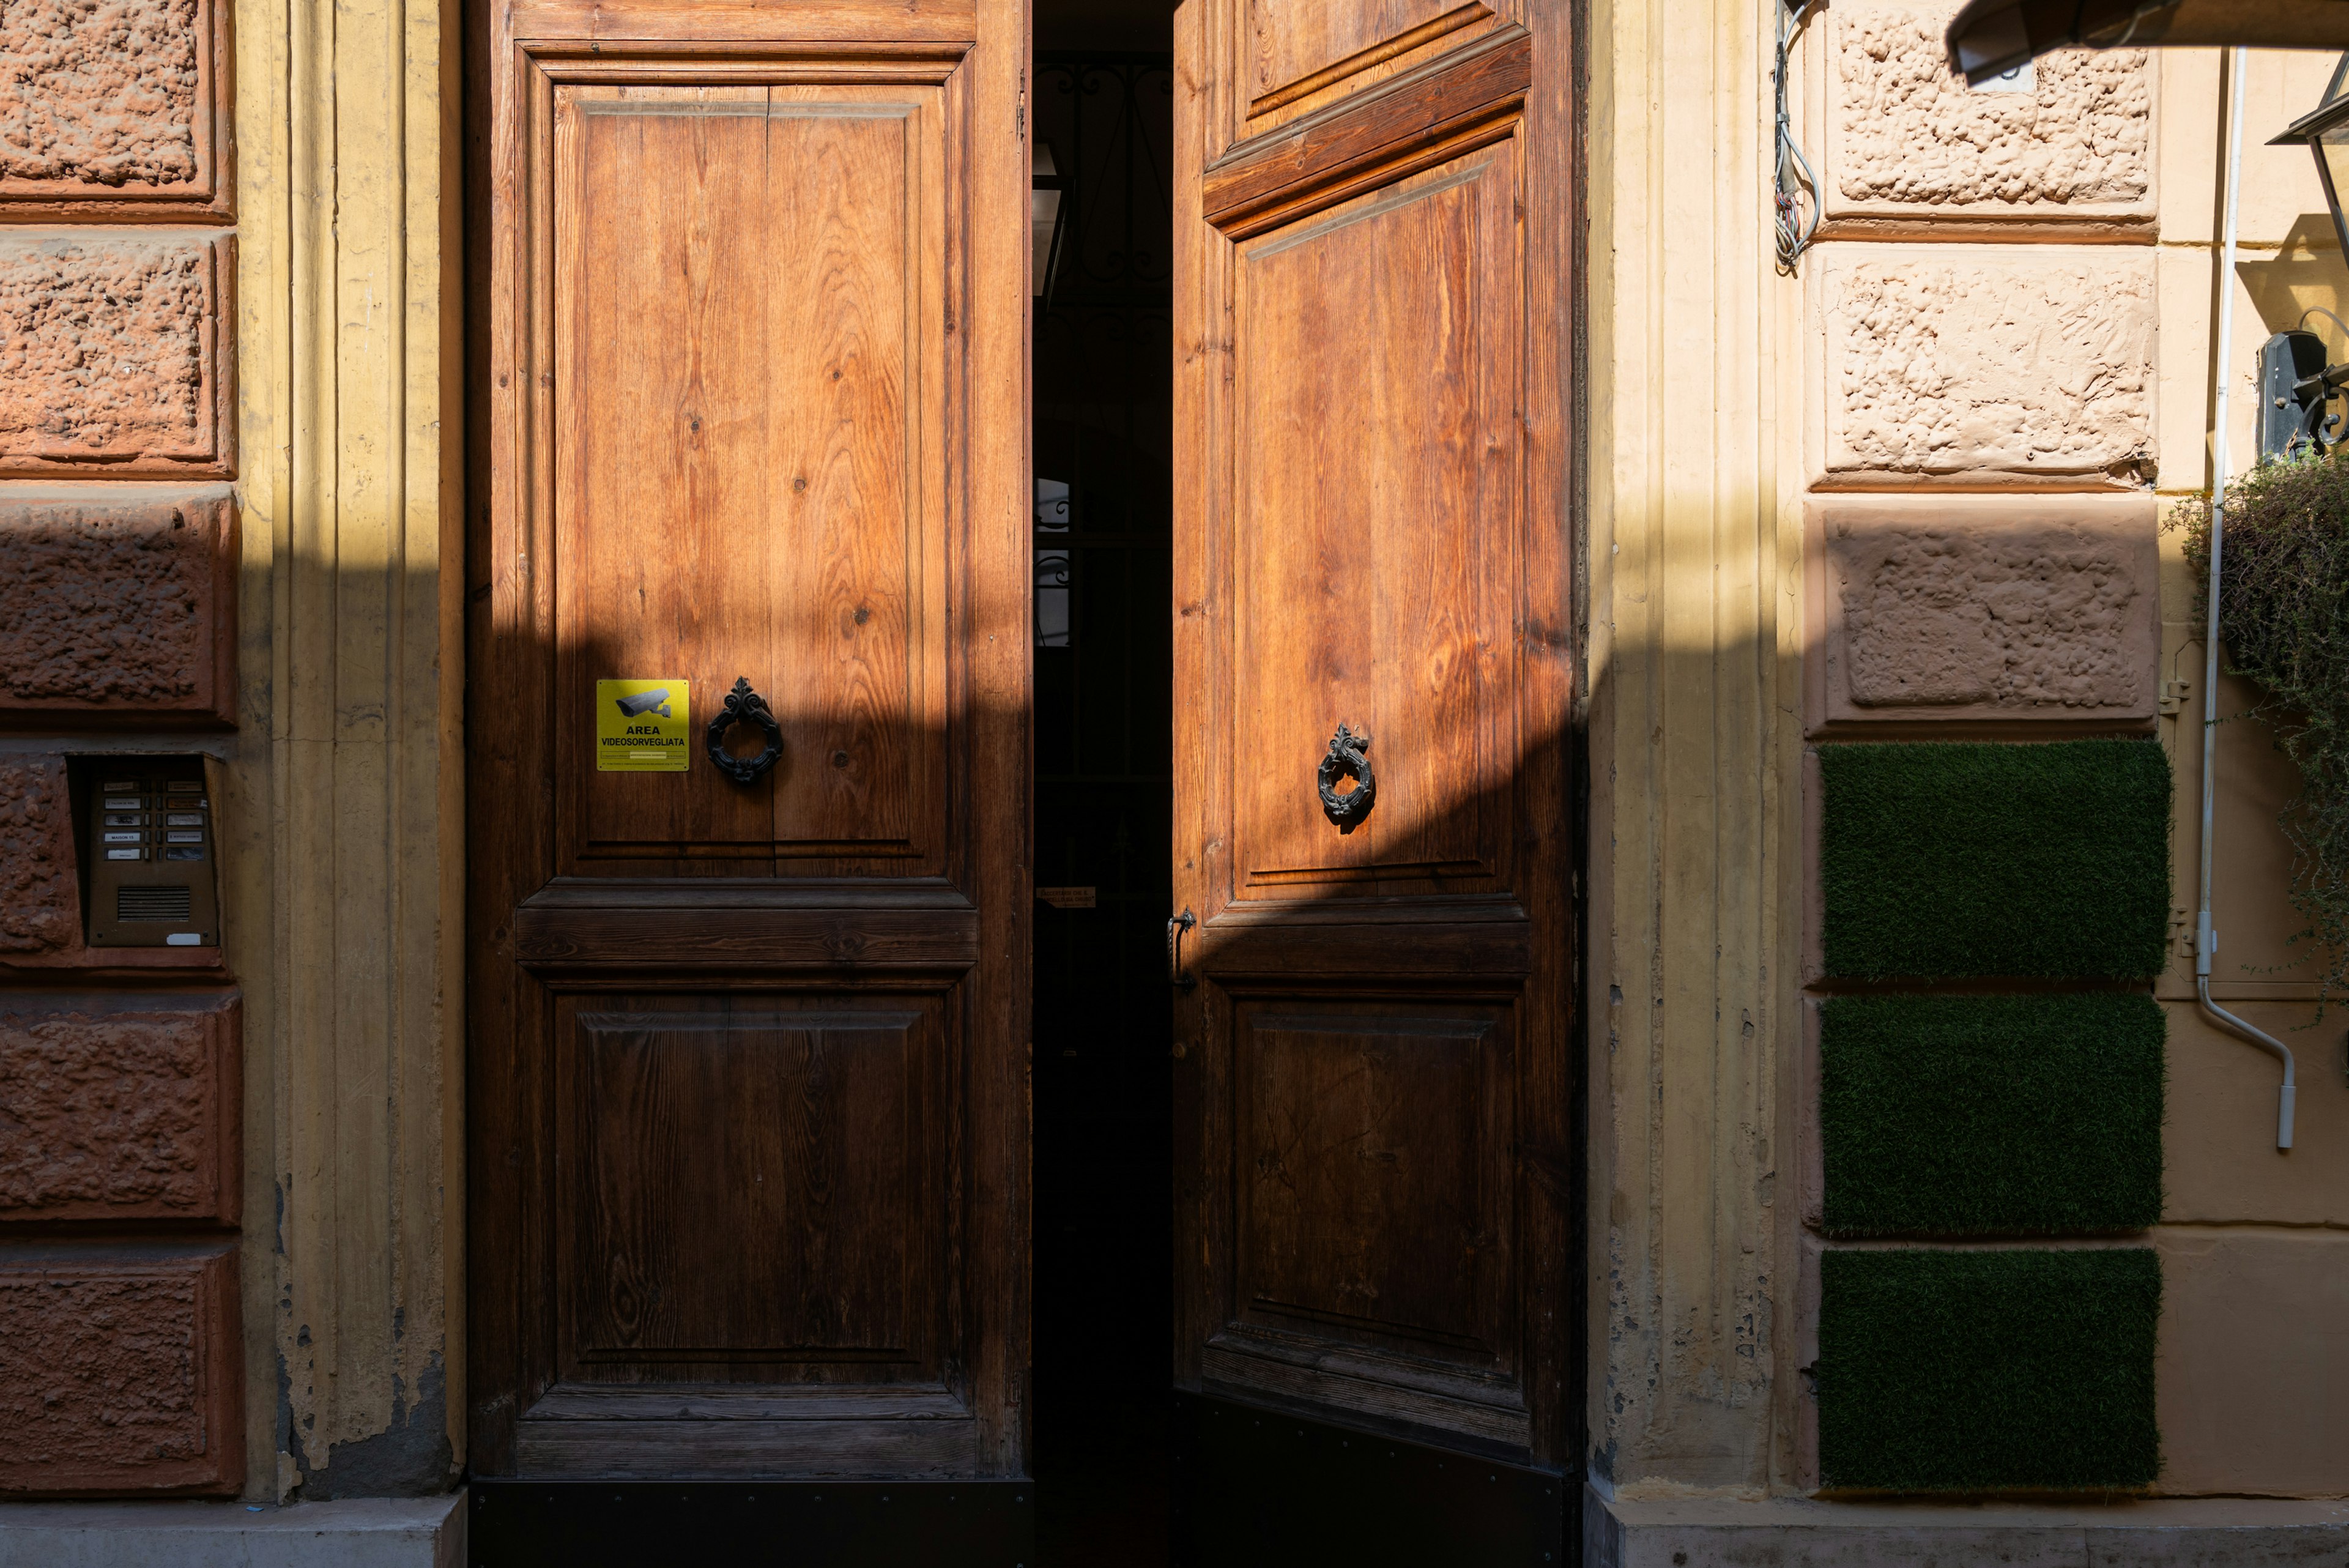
(2004, 326)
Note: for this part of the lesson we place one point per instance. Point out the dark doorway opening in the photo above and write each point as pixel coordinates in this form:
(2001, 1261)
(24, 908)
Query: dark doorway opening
(1102, 98)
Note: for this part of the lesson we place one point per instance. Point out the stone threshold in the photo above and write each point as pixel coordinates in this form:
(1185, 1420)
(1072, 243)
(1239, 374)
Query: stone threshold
(1803, 1532)
(360, 1532)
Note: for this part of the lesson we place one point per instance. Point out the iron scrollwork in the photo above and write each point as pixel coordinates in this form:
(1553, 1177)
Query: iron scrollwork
(744, 706)
(1347, 759)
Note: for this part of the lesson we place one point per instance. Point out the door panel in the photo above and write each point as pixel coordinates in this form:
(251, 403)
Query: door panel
(1374, 1081)
(1373, 591)
(794, 1136)
(689, 224)
(747, 1062)
(1358, 1127)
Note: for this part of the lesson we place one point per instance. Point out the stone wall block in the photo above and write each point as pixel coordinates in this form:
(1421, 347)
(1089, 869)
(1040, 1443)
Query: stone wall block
(1983, 368)
(40, 896)
(114, 354)
(1912, 150)
(118, 1105)
(120, 1371)
(117, 610)
(112, 109)
(1983, 611)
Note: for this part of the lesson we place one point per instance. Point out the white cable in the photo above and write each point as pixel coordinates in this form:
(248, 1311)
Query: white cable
(2206, 936)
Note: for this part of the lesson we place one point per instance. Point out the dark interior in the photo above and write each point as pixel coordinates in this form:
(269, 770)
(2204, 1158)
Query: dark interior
(1102, 98)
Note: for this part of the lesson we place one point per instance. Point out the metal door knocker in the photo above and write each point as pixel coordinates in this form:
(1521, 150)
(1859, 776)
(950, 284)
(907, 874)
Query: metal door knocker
(744, 706)
(1346, 760)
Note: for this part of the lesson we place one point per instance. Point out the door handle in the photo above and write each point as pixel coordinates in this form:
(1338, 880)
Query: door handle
(744, 706)
(1176, 926)
(1345, 758)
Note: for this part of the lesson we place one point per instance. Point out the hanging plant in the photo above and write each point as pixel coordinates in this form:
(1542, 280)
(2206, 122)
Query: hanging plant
(2283, 622)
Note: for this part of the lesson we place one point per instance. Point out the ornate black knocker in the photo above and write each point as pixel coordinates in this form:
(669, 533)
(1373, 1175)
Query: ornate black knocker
(1346, 760)
(744, 706)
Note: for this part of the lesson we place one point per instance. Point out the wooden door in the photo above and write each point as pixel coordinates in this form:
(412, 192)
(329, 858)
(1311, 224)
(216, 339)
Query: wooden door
(747, 1060)
(1374, 302)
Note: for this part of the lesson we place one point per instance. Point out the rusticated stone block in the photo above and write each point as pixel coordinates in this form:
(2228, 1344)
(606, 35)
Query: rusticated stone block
(123, 610)
(120, 1370)
(118, 1105)
(113, 107)
(110, 354)
(40, 901)
(1982, 609)
(1909, 145)
(1984, 367)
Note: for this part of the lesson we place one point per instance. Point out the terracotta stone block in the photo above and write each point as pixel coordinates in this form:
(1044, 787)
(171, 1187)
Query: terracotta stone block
(111, 107)
(2253, 1392)
(1911, 150)
(120, 1370)
(1983, 368)
(118, 1105)
(112, 354)
(1982, 610)
(40, 898)
(118, 610)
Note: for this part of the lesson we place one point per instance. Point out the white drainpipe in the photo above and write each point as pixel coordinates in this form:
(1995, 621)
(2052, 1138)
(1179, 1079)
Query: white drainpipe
(2206, 937)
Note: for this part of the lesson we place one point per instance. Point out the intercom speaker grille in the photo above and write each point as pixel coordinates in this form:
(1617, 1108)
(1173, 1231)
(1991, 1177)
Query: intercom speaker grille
(152, 904)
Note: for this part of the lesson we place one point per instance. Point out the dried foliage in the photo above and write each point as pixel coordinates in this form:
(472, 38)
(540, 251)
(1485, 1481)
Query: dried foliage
(2283, 622)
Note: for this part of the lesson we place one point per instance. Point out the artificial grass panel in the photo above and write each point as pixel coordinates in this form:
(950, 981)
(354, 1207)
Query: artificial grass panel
(1991, 1114)
(1983, 1371)
(1949, 859)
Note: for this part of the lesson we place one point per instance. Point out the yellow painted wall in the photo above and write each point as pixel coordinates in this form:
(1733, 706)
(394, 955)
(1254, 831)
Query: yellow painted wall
(346, 908)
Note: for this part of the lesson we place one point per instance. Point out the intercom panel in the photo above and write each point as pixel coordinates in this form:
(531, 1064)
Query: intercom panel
(152, 855)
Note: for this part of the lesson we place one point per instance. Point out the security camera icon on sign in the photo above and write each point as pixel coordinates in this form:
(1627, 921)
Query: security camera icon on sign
(645, 703)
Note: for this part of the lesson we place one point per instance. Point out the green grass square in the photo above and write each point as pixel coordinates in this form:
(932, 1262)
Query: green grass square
(1958, 1116)
(1988, 1371)
(1944, 859)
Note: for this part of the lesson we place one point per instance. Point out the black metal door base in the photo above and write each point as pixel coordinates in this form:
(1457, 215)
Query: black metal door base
(753, 1524)
(1256, 1487)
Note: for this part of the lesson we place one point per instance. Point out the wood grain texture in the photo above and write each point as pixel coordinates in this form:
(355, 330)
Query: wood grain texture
(750, 1193)
(1372, 1164)
(746, 305)
(1371, 137)
(1373, 451)
(760, 409)
(1375, 1090)
(1294, 49)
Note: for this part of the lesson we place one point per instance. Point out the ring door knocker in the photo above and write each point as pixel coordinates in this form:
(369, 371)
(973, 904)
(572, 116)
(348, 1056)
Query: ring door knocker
(1347, 760)
(744, 706)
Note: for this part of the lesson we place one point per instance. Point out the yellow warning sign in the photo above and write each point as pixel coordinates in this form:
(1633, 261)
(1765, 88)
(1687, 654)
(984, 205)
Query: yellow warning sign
(642, 727)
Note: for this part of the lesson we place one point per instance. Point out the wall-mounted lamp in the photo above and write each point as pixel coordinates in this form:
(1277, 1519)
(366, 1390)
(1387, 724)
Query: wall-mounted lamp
(1046, 217)
(2296, 386)
(1989, 38)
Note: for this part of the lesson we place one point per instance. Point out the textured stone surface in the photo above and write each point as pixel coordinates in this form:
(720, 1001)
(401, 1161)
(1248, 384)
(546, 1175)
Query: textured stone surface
(114, 1109)
(1911, 138)
(2033, 367)
(40, 906)
(113, 607)
(117, 1371)
(100, 93)
(103, 340)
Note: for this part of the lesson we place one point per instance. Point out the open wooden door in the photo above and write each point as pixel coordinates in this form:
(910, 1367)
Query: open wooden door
(1374, 665)
(748, 1054)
